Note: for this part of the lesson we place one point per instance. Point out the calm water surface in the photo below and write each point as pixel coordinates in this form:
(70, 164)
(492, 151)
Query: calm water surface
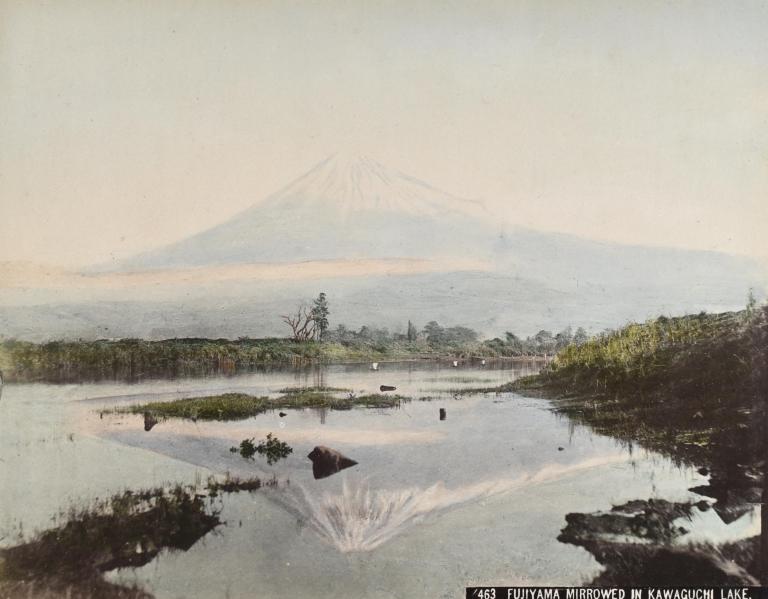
(431, 507)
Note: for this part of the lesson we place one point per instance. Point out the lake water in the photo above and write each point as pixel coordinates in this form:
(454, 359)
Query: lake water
(431, 507)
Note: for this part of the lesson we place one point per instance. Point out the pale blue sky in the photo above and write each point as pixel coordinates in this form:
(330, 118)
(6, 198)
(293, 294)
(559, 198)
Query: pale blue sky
(127, 125)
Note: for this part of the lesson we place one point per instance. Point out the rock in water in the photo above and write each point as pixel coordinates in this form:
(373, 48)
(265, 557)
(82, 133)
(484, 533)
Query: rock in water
(149, 421)
(327, 461)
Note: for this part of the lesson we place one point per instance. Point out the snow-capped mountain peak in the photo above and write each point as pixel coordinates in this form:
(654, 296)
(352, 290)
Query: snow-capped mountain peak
(347, 206)
(347, 183)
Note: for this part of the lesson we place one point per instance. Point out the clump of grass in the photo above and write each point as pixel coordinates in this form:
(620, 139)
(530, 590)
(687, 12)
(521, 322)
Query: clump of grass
(247, 448)
(271, 447)
(238, 406)
(235, 484)
(458, 391)
(458, 379)
(228, 406)
(316, 388)
(373, 400)
(307, 398)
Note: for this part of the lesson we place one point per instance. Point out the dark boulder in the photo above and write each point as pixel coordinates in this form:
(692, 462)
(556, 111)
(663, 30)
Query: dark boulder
(149, 421)
(327, 461)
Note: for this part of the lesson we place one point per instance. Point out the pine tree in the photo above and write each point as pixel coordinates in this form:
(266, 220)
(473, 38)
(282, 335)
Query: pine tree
(320, 314)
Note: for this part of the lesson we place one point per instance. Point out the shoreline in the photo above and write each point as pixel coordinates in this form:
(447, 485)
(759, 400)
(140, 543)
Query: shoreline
(76, 373)
(699, 400)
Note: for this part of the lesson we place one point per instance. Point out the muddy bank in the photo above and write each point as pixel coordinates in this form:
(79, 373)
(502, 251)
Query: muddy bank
(638, 543)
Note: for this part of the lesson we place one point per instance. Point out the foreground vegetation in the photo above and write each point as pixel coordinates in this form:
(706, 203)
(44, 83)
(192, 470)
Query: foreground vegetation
(692, 387)
(237, 406)
(127, 530)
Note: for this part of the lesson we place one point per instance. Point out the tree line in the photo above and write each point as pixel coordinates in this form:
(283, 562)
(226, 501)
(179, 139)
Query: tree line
(312, 323)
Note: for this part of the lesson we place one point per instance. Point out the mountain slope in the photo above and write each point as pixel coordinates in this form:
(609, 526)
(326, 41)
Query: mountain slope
(345, 207)
(350, 207)
(475, 271)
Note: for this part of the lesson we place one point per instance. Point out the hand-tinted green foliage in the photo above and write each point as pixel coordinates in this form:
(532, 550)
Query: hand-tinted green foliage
(705, 347)
(237, 406)
(228, 406)
(318, 389)
(692, 386)
(235, 484)
(135, 358)
(247, 448)
(271, 447)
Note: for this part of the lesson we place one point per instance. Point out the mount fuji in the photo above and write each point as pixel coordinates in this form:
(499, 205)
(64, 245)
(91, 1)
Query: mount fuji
(346, 207)
(353, 208)
(386, 248)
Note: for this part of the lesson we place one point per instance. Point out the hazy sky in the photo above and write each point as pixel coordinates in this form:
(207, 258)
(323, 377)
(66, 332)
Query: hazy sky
(127, 125)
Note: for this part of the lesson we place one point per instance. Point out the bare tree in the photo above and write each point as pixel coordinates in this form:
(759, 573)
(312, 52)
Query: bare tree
(302, 323)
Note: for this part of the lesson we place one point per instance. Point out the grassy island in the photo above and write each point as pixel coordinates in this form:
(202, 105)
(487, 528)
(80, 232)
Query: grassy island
(238, 406)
